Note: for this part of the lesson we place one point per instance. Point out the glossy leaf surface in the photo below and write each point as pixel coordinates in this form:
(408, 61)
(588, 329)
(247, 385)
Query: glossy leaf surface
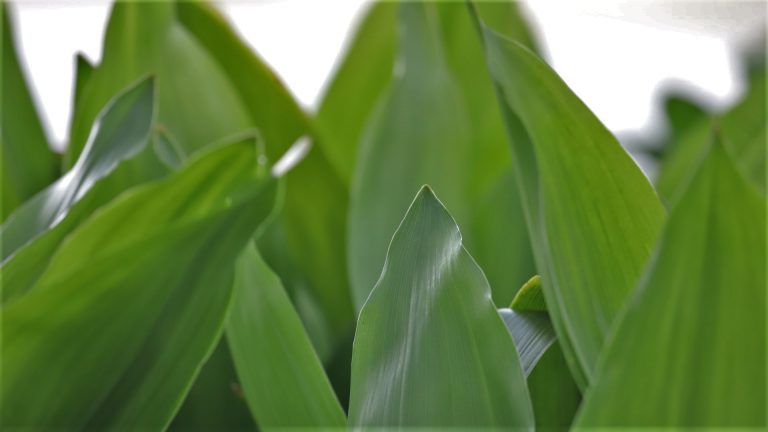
(691, 349)
(533, 335)
(592, 215)
(438, 123)
(282, 378)
(430, 348)
(120, 132)
(125, 306)
(27, 163)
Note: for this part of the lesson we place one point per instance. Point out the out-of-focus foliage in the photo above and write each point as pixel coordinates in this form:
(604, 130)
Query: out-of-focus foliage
(206, 255)
(690, 349)
(28, 165)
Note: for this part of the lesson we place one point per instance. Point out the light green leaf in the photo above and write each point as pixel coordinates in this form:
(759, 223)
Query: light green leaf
(430, 348)
(533, 335)
(690, 351)
(281, 376)
(439, 124)
(134, 301)
(530, 297)
(592, 215)
(120, 132)
(27, 164)
(362, 76)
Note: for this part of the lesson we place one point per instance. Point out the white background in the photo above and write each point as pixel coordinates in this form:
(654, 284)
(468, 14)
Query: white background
(618, 56)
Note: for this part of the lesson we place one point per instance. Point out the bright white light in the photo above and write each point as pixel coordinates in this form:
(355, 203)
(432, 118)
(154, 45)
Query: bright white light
(615, 66)
(49, 37)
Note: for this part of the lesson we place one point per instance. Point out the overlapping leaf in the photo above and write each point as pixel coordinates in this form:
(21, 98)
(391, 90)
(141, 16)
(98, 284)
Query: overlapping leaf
(280, 374)
(28, 164)
(592, 215)
(362, 76)
(120, 132)
(211, 85)
(134, 301)
(438, 123)
(430, 348)
(690, 351)
(743, 130)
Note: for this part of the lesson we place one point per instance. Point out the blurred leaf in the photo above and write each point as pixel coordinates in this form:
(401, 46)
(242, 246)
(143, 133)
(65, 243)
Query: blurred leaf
(210, 86)
(120, 132)
(438, 123)
(530, 297)
(126, 308)
(430, 348)
(83, 71)
(195, 100)
(592, 215)
(315, 202)
(28, 164)
(533, 335)
(743, 131)
(554, 394)
(690, 351)
(215, 402)
(362, 76)
(281, 376)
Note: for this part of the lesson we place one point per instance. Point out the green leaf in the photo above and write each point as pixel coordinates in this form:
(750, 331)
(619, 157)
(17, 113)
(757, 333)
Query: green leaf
(120, 132)
(27, 163)
(533, 335)
(362, 76)
(554, 394)
(314, 208)
(530, 297)
(439, 124)
(134, 301)
(690, 349)
(215, 402)
(195, 100)
(24, 267)
(281, 376)
(430, 348)
(592, 215)
(210, 86)
(743, 129)
(83, 71)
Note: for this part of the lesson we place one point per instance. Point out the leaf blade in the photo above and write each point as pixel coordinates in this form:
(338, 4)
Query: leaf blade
(430, 348)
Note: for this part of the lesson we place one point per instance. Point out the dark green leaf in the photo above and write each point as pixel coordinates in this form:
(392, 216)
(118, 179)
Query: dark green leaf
(28, 164)
(690, 351)
(134, 301)
(554, 394)
(592, 215)
(430, 348)
(280, 374)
